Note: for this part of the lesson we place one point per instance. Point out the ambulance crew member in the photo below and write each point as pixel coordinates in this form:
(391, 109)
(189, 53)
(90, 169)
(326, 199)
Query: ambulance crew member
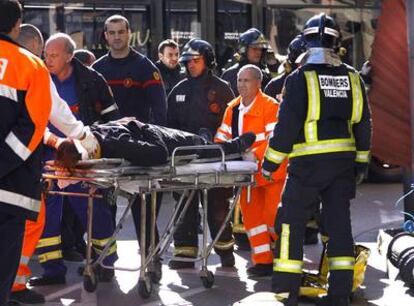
(25, 96)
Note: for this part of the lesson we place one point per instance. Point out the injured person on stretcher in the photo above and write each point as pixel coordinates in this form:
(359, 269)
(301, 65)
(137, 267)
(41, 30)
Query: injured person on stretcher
(141, 144)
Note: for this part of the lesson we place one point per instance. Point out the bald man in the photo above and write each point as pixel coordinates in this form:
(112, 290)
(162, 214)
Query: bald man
(90, 100)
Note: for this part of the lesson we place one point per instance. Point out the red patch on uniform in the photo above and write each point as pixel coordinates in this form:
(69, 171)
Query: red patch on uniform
(74, 108)
(214, 108)
(98, 107)
(211, 95)
(128, 83)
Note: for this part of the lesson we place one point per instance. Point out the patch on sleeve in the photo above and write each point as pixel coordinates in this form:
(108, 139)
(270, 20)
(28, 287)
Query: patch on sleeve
(156, 75)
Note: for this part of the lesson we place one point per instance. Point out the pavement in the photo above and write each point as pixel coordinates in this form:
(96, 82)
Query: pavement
(373, 209)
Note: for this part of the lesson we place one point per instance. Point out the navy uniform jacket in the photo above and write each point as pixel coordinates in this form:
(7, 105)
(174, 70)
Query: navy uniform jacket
(331, 134)
(95, 99)
(198, 103)
(230, 75)
(170, 77)
(275, 86)
(137, 86)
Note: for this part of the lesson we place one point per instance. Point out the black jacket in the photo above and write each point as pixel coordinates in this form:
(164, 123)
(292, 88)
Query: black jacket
(198, 103)
(336, 136)
(148, 145)
(137, 86)
(95, 99)
(170, 77)
(275, 86)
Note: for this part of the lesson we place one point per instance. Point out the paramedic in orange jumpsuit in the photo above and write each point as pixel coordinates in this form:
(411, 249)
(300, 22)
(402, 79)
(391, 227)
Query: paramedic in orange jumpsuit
(253, 111)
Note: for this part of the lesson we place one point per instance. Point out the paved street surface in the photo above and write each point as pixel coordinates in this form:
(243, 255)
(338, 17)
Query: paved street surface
(373, 209)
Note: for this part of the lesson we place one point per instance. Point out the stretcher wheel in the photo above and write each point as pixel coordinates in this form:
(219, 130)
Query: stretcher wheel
(90, 282)
(155, 276)
(144, 288)
(208, 281)
(155, 272)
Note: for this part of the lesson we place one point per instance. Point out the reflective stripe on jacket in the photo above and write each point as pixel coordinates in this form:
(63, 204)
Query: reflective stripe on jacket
(324, 114)
(261, 120)
(25, 101)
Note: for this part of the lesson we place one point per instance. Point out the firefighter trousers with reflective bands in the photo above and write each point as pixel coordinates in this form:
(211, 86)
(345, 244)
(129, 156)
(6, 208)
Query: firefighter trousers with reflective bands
(186, 238)
(259, 219)
(49, 248)
(11, 240)
(32, 233)
(334, 182)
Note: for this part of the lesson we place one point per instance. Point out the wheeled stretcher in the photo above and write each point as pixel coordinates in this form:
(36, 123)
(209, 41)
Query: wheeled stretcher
(184, 173)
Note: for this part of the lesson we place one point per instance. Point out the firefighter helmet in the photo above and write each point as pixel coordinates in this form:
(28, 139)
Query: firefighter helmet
(252, 37)
(197, 48)
(322, 31)
(296, 47)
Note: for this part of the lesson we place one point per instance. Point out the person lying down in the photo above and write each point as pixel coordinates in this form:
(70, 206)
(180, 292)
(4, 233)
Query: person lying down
(141, 144)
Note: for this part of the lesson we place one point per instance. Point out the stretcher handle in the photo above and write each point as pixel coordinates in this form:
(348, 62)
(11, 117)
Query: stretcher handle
(203, 147)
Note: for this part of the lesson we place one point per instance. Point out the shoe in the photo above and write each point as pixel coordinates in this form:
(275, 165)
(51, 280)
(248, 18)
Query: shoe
(27, 296)
(103, 275)
(311, 236)
(72, 255)
(205, 134)
(333, 301)
(178, 265)
(245, 141)
(227, 260)
(260, 270)
(242, 242)
(47, 280)
(156, 270)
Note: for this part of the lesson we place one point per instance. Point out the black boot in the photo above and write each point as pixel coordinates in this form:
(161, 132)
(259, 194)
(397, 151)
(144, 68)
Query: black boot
(311, 236)
(47, 280)
(260, 270)
(242, 241)
(244, 141)
(333, 301)
(178, 265)
(227, 259)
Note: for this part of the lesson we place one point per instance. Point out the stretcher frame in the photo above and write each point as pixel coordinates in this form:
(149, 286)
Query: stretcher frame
(150, 181)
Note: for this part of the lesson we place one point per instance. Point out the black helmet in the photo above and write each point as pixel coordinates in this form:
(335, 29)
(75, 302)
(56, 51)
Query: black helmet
(252, 37)
(196, 48)
(296, 47)
(322, 31)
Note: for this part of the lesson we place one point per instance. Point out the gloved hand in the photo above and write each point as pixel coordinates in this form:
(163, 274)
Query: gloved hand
(52, 140)
(361, 170)
(89, 142)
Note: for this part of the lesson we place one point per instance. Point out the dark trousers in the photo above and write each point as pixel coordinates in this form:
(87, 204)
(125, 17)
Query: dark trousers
(218, 207)
(102, 229)
(136, 214)
(11, 240)
(333, 181)
(72, 230)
